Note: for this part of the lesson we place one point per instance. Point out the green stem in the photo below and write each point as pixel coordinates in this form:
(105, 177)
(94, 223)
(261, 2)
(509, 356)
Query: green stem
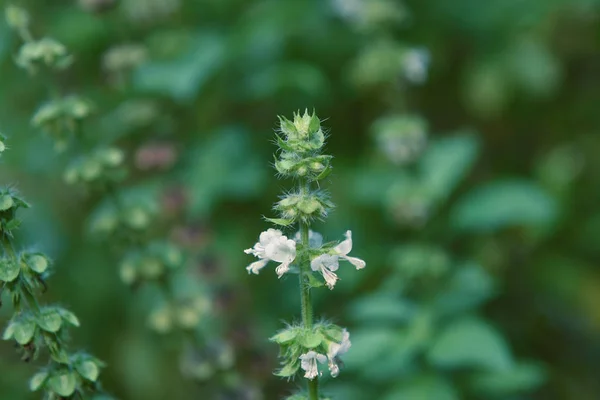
(306, 303)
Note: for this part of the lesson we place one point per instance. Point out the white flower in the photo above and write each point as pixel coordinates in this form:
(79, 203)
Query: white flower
(337, 349)
(415, 64)
(344, 248)
(315, 239)
(308, 362)
(272, 246)
(326, 264)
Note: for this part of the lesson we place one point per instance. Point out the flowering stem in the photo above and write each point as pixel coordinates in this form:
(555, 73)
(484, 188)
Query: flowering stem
(306, 303)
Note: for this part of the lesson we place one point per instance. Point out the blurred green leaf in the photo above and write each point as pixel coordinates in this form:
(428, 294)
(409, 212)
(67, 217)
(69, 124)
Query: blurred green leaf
(182, 78)
(470, 343)
(469, 286)
(502, 204)
(423, 388)
(381, 308)
(220, 167)
(446, 162)
(520, 378)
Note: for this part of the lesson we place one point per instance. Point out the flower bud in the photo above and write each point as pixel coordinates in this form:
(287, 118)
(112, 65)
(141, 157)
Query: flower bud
(16, 17)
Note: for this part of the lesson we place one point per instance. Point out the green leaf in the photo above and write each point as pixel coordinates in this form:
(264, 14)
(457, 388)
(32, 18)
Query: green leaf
(288, 370)
(37, 381)
(69, 317)
(502, 204)
(88, 369)
(23, 332)
(470, 343)
(285, 336)
(313, 281)
(63, 384)
(13, 224)
(9, 270)
(9, 331)
(280, 221)
(50, 320)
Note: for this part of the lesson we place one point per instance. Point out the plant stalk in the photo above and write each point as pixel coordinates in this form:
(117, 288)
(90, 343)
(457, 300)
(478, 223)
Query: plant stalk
(306, 303)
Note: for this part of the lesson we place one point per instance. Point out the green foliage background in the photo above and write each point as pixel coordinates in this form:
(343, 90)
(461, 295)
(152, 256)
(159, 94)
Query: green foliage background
(492, 291)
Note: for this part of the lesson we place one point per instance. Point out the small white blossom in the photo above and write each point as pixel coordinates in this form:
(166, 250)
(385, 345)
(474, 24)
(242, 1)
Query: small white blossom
(337, 349)
(272, 246)
(344, 248)
(415, 64)
(315, 239)
(326, 264)
(308, 362)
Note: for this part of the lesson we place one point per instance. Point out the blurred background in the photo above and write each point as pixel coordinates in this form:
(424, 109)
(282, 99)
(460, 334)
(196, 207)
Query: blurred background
(466, 142)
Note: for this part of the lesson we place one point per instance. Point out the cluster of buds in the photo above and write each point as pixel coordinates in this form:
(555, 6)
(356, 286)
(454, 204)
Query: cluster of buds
(131, 216)
(61, 118)
(304, 347)
(151, 263)
(10, 202)
(180, 314)
(102, 166)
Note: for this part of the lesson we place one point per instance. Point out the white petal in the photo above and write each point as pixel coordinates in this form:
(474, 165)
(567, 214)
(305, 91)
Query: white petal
(330, 277)
(346, 246)
(315, 239)
(325, 261)
(357, 262)
(256, 266)
(282, 269)
(334, 369)
(282, 250)
(268, 236)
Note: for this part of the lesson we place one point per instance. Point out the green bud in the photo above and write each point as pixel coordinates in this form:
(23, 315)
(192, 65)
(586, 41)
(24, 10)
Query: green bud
(88, 370)
(112, 157)
(16, 17)
(160, 320)
(137, 218)
(38, 380)
(37, 263)
(90, 169)
(6, 202)
(128, 272)
(9, 270)
(63, 384)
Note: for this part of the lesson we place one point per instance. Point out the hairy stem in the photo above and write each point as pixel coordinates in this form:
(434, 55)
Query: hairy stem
(307, 310)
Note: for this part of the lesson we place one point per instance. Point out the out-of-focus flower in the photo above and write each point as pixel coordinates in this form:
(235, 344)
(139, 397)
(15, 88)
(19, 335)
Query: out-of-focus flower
(156, 156)
(402, 138)
(124, 57)
(415, 64)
